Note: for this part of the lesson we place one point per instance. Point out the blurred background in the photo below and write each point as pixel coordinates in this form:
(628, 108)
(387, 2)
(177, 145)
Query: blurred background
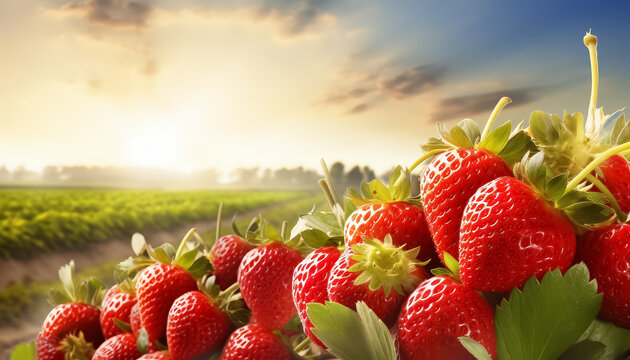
(118, 116)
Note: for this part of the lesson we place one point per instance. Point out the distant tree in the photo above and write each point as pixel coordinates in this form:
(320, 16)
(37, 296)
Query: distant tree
(22, 174)
(246, 177)
(51, 174)
(353, 177)
(337, 171)
(5, 175)
(368, 174)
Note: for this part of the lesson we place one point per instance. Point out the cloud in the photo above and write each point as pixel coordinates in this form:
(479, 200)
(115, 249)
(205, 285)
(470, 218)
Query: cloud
(150, 68)
(368, 88)
(120, 14)
(296, 17)
(414, 81)
(468, 105)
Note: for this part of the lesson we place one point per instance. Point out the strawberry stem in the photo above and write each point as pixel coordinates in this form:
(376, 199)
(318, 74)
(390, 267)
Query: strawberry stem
(493, 116)
(327, 193)
(218, 224)
(283, 230)
(329, 182)
(424, 157)
(595, 163)
(182, 245)
(611, 199)
(590, 41)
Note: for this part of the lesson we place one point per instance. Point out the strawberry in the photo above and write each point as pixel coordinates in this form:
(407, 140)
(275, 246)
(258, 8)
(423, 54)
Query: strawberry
(466, 159)
(368, 272)
(170, 274)
(436, 314)
(226, 255)
(265, 279)
(616, 177)
(198, 321)
(310, 281)
(254, 342)
(117, 304)
(382, 210)
(134, 320)
(157, 355)
(72, 328)
(606, 253)
(119, 347)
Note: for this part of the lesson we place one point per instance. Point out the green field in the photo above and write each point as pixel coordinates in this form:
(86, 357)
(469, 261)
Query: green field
(36, 221)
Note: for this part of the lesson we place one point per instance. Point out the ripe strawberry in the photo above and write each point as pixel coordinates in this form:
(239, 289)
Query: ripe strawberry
(367, 272)
(467, 160)
(265, 279)
(382, 210)
(616, 177)
(72, 329)
(157, 355)
(119, 347)
(438, 312)
(310, 282)
(606, 253)
(169, 275)
(134, 320)
(226, 255)
(510, 233)
(197, 323)
(117, 304)
(254, 342)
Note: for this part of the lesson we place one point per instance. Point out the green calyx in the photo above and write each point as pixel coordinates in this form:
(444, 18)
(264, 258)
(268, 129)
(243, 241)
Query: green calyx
(586, 209)
(504, 142)
(89, 291)
(186, 255)
(76, 347)
(381, 264)
(375, 191)
(230, 300)
(451, 269)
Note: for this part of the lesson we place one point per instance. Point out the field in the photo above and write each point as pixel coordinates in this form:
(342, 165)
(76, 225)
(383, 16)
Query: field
(23, 306)
(36, 221)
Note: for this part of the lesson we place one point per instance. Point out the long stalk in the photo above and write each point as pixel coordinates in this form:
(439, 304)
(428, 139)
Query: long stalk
(595, 163)
(493, 116)
(609, 196)
(424, 157)
(590, 41)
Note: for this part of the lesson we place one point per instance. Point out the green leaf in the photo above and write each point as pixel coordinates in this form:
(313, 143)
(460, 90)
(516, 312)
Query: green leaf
(585, 350)
(459, 138)
(541, 125)
(556, 187)
(517, 146)
(187, 259)
(350, 335)
(348, 208)
(475, 348)
(451, 263)
(200, 267)
(616, 339)
(497, 139)
(471, 129)
(547, 317)
(376, 190)
(584, 213)
(142, 342)
(24, 352)
(624, 135)
(323, 221)
(399, 185)
(124, 326)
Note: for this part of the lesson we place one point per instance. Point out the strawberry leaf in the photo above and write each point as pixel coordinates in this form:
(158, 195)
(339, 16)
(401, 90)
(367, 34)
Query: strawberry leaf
(351, 335)
(585, 350)
(547, 317)
(476, 349)
(616, 339)
(497, 139)
(24, 352)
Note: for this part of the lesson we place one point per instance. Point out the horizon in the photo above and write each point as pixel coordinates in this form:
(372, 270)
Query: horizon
(275, 83)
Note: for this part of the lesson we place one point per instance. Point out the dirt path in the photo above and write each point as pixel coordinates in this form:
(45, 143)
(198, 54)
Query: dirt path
(44, 268)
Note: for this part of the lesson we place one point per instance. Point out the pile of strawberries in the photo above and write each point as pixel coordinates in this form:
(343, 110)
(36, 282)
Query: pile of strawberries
(498, 208)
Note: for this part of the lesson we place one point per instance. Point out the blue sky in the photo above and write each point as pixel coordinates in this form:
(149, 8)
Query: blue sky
(271, 83)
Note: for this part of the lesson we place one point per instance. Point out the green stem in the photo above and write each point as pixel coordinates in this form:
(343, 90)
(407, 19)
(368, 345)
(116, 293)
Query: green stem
(182, 245)
(611, 199)
(283, 230)
(218, 233)
(595, 163)
(590, 41)
(425, 157)
(302, 345)
(330, 182)
(327, 193)
(493, 116)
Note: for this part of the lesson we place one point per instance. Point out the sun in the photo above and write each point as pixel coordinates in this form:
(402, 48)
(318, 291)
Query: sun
(154, 146)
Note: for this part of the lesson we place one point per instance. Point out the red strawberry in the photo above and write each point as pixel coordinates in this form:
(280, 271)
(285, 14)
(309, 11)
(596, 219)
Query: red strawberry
(119, 347)
(310, 281)
(616, 171)
(72, 329)
(389, 210)
(134, 320)
(606, 253)
(265, 280)
(447, 184)
(158, 355)
(117, 304)
(368, 272)
(254, 342)
(158, 286)
(226, 255)
(438, 312)
(195, 326)
(510, 233)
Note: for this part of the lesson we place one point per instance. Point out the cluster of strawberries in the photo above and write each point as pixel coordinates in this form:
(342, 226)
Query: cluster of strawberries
(496, 207)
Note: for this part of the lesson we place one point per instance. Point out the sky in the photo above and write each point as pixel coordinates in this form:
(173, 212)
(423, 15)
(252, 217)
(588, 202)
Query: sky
(197, 84)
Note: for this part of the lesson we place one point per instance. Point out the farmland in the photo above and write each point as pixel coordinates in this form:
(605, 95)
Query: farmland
(37, 221)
